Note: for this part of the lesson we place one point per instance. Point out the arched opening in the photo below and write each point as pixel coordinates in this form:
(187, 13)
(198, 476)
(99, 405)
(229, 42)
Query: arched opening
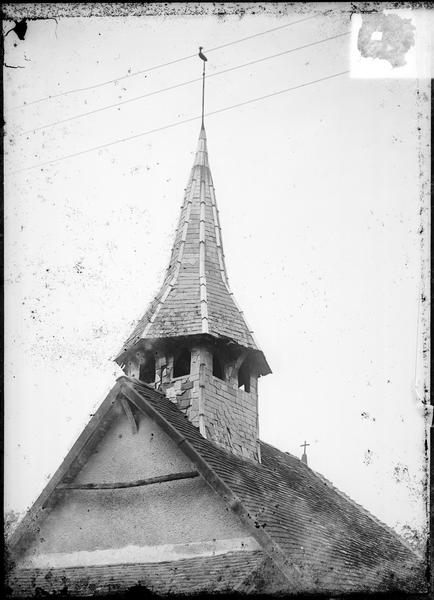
(244, 377)
(181, 366)
(217, 369)
(147, 368)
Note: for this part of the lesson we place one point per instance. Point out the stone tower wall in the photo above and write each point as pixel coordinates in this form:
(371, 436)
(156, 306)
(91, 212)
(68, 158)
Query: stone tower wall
(222, 412)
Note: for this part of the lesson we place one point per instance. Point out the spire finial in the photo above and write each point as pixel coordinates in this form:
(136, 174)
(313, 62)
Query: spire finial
(304, 456)
(204, 58)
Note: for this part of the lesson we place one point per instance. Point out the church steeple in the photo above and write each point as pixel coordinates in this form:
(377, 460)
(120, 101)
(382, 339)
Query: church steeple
(194, 318)
(195, 297)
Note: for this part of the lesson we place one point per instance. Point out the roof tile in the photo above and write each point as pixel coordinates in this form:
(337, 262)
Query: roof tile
(186, 576)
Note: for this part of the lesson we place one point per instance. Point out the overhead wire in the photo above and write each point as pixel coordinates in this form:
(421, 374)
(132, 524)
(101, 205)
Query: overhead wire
(178, 85)
(160, 66)
(148, 132)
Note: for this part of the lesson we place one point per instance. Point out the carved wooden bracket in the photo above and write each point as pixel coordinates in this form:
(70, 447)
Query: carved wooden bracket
(130, 416)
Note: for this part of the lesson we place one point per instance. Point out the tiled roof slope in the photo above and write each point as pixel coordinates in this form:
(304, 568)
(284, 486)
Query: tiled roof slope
(330, 543)
(187, 576)
(338, 538)
(195, 297)
(317, 538)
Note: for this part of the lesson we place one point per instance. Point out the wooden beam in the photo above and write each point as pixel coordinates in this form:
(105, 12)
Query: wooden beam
(127, 408)
(127, 484)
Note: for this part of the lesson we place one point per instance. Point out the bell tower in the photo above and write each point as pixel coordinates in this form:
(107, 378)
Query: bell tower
(193, 342)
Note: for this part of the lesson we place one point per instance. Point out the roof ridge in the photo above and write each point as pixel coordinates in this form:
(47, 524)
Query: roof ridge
(279, 450)
(203, 290)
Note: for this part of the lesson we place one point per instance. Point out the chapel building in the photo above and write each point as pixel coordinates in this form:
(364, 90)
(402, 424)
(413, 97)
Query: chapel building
(169, 487)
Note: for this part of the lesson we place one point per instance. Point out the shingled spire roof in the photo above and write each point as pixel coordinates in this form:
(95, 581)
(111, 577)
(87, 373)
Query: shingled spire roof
(195, 298)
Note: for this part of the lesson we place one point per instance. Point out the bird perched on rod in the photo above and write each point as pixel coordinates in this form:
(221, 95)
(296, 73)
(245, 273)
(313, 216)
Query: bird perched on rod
(201, 54)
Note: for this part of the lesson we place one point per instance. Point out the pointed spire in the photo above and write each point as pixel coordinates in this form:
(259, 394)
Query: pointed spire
(195, 298)
(201, 158)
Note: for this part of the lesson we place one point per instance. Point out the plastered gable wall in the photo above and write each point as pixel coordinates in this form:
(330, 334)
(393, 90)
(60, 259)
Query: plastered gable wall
(125, 456)
(175, 512)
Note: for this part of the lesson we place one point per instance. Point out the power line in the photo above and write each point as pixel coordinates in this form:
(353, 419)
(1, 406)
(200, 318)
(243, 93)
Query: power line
(214, 112)
(172, 62)
(178, 85)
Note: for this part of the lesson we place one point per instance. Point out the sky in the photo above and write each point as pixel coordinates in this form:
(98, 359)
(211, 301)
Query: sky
(322, 193)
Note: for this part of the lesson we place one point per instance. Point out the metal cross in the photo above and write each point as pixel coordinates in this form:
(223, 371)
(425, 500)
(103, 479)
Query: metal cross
(304, 446)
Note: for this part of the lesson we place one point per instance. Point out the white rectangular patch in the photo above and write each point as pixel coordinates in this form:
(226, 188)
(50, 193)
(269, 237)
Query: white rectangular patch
(139, 554)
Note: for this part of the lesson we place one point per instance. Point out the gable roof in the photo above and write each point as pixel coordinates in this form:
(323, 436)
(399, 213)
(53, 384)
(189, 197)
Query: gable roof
(317, 538)
(195, 297)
